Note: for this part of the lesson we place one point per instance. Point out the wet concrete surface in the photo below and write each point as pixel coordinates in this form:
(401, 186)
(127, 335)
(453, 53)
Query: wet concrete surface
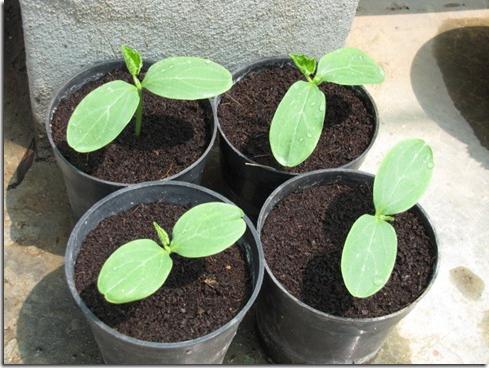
(467, 282)
(396, 350)
(436, 89)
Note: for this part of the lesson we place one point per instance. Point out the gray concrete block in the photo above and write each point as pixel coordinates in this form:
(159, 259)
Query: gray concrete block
(61, 37)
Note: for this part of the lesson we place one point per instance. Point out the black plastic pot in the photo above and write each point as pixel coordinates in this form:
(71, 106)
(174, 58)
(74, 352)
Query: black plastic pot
(83, 189)
(249, 182)
(294, 332)
(117, 348)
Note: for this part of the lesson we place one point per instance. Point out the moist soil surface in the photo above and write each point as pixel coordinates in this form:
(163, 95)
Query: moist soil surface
(199, 296)
(303, 239)
(174, 135)
(246, 111)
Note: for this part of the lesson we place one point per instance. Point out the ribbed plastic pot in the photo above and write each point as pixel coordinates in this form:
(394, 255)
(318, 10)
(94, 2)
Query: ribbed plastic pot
(117, 348)
(249, 182)
(294, 332)
(84, 189)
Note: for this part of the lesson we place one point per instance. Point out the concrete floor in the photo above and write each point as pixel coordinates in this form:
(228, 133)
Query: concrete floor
(436, 60)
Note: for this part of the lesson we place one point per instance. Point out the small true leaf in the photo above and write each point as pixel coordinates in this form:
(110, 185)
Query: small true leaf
(187, 78)
(101, 116)
(162, 234)
(306, 64)
(207, 229)
(368, 256)
(403, 177)
(134, 271)
(348, 66)
(133, 60)
(297, 124)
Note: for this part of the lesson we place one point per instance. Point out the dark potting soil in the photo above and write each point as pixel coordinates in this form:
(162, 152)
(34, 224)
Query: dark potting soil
(246, 111)
(174, 135)
(303, 239)
(199, 296)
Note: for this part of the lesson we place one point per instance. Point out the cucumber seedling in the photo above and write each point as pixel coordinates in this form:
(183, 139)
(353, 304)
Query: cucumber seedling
(298, 121)
(140, 267)
(370, 249)
(104, 113)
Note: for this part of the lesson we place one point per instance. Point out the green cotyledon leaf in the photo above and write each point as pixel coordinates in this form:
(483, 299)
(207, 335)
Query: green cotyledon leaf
(101, 116)
(207, 229)
(134, 271)
(348, 66)
(403, 177)
(187, 78)
(369, 255)
(297, 124)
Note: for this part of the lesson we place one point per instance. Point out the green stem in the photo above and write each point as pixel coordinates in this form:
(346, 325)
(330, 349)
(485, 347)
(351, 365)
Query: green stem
(167, 248)
(384, 217)
(316, 81)
(139, 110)
(139, 114)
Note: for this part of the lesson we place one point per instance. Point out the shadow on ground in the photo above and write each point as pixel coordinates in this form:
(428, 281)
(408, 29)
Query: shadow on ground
(246, 347)
(38, 211)
(50, 329)
(461, 53)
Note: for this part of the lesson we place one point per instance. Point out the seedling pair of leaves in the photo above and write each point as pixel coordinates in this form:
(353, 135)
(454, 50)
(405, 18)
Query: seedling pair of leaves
(298, 121)
(139, 268)
(104, 113)
(370, 249)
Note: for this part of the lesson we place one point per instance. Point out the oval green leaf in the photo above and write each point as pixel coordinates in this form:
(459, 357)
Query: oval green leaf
(297, 124)
(187, 78)
(133, 60)
(134, 271)
(403, 177)
(207, 229)
(348, 66)
(368, 256)
(101, 116)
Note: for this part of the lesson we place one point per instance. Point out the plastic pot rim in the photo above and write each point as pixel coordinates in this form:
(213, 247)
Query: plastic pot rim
(53, 105)
(245, 69)
(262, 218)
(151, 344)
